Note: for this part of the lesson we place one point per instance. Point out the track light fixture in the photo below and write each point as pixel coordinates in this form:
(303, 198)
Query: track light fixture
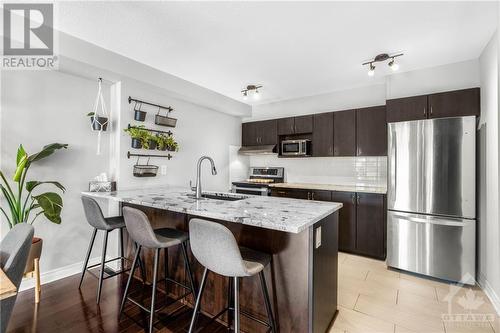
(381, 58)
(251, 89)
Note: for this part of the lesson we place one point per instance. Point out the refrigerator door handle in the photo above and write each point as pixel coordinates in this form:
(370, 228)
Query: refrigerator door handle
(434, 220)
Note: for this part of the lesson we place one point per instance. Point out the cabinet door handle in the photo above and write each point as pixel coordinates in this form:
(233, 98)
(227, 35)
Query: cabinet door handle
(353, 199)
(308, 195)
(312, 196)
(425, 113)
(431, 110)
(357, 198)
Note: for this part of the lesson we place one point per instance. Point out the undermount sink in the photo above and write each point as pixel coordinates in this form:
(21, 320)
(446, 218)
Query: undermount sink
(222, 196)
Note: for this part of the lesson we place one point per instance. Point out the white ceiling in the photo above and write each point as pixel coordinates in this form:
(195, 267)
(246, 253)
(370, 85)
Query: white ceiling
(294, 49)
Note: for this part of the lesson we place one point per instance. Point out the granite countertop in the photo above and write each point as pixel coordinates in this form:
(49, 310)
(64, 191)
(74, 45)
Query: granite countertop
(283, 214)
(333, 187)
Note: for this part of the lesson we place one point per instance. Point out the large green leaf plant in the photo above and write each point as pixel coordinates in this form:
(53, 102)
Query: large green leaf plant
(23, 203)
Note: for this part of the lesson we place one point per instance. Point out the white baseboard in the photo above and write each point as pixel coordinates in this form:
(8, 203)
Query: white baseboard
(490, 292)
(57, 274)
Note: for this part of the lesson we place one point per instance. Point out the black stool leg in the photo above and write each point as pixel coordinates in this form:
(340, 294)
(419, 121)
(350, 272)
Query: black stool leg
(130, 276)
(188, 268)
(229, 300)
(141, 267)
(89, 251)
(236, 305)
(153, 292)
(267, 301)
(198, 300)
(165, 254)
(103, 259)
(122, 261)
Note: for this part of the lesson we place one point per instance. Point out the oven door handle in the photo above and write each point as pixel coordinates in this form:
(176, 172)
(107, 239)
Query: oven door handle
(251, 189)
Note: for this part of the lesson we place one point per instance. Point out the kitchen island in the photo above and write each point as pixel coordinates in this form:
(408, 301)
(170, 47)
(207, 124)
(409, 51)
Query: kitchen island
(301, 235)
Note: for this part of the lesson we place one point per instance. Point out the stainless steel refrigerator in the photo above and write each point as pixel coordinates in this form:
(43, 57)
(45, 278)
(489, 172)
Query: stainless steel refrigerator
(431, 198)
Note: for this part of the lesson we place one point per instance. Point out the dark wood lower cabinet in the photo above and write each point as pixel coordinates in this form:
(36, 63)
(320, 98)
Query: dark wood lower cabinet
(362, 219)
(347, 220)
(370, 225)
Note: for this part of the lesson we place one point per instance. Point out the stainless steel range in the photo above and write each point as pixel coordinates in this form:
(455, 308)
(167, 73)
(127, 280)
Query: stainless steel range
(259, 180)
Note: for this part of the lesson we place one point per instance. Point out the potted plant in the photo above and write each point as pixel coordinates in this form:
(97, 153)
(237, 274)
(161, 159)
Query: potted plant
(24, 204)
(171, 144)
(152, 141)
(100, 124)
(162, 141)
(140, 136)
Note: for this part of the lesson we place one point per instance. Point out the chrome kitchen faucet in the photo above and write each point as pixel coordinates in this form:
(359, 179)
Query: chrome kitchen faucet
(197, 188)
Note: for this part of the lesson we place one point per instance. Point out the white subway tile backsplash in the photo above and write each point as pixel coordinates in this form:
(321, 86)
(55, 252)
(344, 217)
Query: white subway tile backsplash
(329, 170)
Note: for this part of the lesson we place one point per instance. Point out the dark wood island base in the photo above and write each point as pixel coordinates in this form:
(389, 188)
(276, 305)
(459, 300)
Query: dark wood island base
(302, 278)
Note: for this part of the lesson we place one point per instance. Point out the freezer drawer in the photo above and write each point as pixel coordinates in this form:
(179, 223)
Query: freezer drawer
(436, 246)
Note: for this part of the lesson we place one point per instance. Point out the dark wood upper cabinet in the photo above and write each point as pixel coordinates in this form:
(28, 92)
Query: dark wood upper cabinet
(303, 124)
(408, 108)
(347, 220)
(286, 126)
(457, 103)
(267, 132)
(322, 139)
(370, 225)
(295, 125)
(344, 133)
(259, 133)
(248, 134)
(371, 131)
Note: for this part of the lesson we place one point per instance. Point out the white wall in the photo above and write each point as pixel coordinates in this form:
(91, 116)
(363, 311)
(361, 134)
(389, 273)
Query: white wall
(42, 107)
(199, 132)
(448, 77)
(488, 186)
(370, 95)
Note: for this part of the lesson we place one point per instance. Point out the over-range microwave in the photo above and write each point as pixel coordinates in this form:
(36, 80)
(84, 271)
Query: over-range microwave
(300, 147)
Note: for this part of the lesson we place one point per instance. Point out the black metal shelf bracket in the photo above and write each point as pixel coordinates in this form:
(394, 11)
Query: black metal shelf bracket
(168, 108)
(129, 155)
(150, 130)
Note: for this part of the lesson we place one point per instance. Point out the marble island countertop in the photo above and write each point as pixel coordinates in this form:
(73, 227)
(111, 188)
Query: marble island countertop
(333, 187)
(283, 214)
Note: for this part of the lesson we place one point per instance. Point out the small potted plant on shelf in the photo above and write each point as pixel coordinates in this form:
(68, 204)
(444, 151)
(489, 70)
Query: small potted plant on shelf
(99, 124)
(152, 141)
(27, 205)
(140, 137)
(171, 144)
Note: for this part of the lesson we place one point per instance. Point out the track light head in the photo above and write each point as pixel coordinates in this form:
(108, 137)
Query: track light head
(393, 65)
(371, 72)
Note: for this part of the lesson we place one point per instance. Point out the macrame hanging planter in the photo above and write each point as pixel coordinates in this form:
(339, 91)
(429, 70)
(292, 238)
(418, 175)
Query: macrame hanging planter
(99, 117)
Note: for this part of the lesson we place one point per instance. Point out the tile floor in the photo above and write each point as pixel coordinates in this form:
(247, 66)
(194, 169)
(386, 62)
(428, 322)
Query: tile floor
(373, 299)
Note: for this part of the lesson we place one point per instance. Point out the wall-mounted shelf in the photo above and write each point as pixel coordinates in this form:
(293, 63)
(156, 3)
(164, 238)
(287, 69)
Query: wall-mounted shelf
(168, 108)
(151, 130)
(129, 155)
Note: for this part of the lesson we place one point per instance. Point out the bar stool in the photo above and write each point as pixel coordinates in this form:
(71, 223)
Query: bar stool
(95, 218)
(215, 247)
(140, 230)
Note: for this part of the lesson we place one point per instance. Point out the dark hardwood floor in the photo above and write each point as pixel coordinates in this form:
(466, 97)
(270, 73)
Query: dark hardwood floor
(65, 308)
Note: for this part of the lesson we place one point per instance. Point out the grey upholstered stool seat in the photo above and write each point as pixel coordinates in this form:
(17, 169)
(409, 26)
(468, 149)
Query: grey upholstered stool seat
(140, 230)
(96, 219)
(215, 247)
(114, 222)
(254, 261)
(168, 237)
(14, 252)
